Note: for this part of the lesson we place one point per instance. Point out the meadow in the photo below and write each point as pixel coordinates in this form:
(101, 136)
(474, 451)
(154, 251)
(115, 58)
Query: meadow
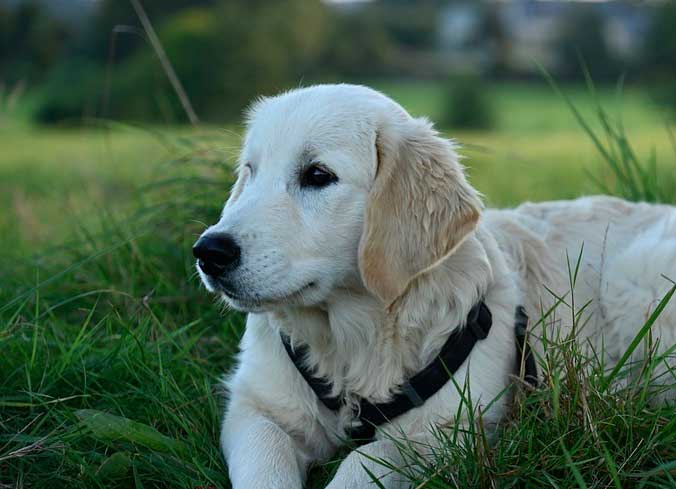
(110, 351)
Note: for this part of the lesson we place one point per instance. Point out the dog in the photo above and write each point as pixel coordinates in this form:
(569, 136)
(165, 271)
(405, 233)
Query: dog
(357, 247)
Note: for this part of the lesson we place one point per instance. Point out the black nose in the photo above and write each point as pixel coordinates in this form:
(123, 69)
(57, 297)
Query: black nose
(216, 253)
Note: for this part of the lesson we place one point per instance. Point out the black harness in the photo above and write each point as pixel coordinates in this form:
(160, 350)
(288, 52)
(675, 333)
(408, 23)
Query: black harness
(524, 355)
(423, 385)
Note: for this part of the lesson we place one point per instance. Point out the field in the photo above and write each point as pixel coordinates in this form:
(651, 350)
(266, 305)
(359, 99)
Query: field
(110, 352)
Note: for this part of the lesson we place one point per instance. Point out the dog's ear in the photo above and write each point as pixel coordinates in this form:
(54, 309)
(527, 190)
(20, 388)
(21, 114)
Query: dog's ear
(419, 210)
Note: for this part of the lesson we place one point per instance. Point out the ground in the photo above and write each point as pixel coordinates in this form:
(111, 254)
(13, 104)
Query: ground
(111, 351)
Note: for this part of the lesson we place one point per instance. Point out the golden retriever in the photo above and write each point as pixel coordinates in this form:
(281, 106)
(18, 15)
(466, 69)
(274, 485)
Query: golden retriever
(352, 231)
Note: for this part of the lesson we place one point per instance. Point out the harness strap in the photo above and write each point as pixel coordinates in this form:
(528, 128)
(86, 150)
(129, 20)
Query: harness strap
(429, 380)
(423, 385)
(417, 389)
(321, 387)
(523, 350)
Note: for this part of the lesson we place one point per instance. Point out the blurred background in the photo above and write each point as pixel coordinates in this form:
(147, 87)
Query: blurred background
(66, 61)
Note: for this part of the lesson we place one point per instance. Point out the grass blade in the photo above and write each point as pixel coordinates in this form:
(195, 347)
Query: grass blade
(108, 427)
(639, 337)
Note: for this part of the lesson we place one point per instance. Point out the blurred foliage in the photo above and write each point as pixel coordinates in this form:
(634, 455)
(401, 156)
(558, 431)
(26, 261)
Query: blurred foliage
(224, 58)
(226, 52)
(357, 45)
(31, 42)
(59, 102)
(664, 93)
(412, 25)
(659, 51)
(582, 39)
(467, 104)
(110, 14)
(660, 55)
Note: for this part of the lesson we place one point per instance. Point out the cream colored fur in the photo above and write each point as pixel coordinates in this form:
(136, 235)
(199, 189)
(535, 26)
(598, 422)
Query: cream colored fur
(375, 271)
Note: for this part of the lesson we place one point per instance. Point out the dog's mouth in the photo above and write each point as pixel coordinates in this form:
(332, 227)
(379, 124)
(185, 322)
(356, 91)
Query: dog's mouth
(257, 302)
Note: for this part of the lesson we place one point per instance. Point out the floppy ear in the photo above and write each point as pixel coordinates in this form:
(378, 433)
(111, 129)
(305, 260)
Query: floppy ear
(419, 210)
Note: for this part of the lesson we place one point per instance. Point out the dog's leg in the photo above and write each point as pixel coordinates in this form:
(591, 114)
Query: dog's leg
(377, 457)
(260, 454)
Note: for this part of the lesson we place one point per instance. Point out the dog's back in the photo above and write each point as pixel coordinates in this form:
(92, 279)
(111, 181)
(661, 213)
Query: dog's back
(627, 257)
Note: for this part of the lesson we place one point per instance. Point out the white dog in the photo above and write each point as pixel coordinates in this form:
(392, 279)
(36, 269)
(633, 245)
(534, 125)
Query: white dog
(352, 233)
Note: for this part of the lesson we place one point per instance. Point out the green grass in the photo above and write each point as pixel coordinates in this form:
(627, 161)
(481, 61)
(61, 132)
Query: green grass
(111, 352)
(529, 108)
(109, 317)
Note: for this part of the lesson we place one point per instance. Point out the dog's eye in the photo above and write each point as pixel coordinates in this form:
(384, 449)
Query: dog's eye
(317, 176)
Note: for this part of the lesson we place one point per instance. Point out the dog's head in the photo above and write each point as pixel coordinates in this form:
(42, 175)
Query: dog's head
(338, 187)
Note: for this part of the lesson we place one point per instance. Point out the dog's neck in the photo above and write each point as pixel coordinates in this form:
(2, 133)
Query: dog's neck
(363, 350)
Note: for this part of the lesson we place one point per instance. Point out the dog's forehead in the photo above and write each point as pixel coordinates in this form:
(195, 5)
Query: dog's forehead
(312, 122)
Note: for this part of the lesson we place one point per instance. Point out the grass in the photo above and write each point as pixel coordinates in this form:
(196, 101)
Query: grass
(531, 109)
(111, 352)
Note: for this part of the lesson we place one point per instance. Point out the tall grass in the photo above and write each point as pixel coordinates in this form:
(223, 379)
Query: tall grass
(110, 364)
(634, 178)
